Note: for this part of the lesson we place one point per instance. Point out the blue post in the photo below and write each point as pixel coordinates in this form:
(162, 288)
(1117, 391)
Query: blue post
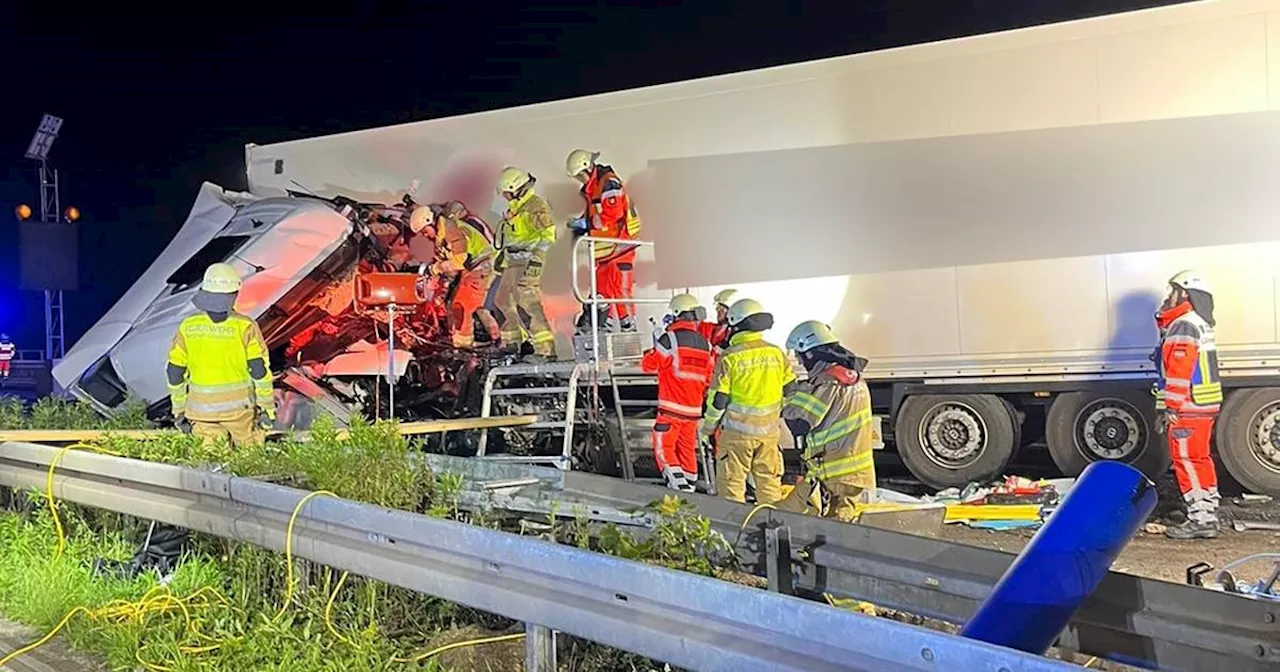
(1065, 561)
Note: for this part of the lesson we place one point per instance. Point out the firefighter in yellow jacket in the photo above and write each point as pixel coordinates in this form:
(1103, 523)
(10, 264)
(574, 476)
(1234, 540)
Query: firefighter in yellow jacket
(830, 416)
(744, 401)
(217, 367)
(527, 233)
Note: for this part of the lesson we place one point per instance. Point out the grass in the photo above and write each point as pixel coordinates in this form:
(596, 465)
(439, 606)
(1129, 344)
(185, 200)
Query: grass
(235, 590)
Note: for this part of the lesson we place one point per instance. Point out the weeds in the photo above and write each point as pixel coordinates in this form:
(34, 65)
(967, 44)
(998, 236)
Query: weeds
(335, 622)
(54, 413)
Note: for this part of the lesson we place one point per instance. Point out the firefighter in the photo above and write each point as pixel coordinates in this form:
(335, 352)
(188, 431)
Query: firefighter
(609, 213)
(7, 352)
(217, 368)
(1189, 394)
(744, 402)
(527, 232)
(464, 247)
(716, 332)
(681, 357)
(830, 416)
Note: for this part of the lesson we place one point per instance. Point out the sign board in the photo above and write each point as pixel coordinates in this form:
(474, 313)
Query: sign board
(44, 137)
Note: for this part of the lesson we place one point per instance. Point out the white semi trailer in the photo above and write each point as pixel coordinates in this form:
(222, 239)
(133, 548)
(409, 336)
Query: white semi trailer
(990, 220)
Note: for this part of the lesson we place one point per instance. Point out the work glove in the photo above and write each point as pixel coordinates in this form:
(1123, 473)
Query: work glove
(579, 226)
(267, 419)
(658, 331)
(182, 424)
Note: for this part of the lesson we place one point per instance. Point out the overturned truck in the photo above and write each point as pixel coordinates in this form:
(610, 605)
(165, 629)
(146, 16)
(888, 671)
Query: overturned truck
(991, 221)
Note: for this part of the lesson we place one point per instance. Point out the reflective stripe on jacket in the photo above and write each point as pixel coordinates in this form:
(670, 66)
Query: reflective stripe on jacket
(745, 394)
(216, 358)
(7, 351)
(836, 404)
(682, 360)
(1188, 367)
(528, 224)
(463, 245)
(610, 211)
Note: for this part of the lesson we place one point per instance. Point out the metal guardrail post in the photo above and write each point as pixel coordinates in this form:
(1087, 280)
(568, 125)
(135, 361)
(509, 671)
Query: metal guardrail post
(777, 542)
(539, 648)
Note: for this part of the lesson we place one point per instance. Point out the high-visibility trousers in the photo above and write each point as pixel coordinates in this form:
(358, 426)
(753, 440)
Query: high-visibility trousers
(4, 368)
(242, 430)
(615, 279)
(520, 291)
(739, 454)
(835, 500)
(1189, 437)
(468, 303)
(675, 444)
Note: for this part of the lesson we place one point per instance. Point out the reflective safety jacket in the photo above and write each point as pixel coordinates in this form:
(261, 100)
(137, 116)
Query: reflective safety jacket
(216, 357)
(463, 244)
(835, 404)
(527, 224)
(1188, 366)
(611, 213)
(7, 351)
(745, 394)
(682, 360)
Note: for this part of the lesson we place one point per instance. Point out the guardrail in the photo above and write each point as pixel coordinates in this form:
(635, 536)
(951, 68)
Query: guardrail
(1166, 625)
(687, 620)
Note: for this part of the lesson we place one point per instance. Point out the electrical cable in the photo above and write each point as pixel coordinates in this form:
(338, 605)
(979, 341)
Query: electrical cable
(157, 600)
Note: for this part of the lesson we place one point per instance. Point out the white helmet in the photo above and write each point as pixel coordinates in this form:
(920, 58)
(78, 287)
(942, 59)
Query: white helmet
(742, 309)
(1189, 280)
(808, 335)
(724, 297)
(512, 180)
(580, 160)
(421, 217)
(221, 279)
(682, 303)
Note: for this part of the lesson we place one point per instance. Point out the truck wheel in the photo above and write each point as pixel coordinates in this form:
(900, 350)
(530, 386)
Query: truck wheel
(1248, 439)
(1084, 427)
(951, 440)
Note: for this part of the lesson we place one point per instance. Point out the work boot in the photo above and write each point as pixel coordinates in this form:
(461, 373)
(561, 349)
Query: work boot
(628, 324)
(584, 321)
(1192, 530)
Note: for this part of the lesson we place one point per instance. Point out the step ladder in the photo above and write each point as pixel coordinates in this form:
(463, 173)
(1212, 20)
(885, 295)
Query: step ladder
(564, 413)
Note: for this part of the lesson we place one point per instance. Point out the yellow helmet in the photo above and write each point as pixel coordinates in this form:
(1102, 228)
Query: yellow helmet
(512, 180)
(682, 303)
(724, 297)
(742, 309)
(580, 160)
(421, 217)
(221, 279)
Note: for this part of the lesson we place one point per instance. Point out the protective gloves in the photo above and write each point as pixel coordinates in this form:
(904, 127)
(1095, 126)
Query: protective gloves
(182, 424)
(579, 226)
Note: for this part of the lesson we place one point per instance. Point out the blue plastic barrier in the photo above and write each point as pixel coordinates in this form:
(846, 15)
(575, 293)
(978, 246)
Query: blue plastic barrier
(1065, 561)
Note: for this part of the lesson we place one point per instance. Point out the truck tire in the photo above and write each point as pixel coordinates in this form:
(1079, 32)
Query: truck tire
(1248, 439)
(951, 440)
(1084, 427)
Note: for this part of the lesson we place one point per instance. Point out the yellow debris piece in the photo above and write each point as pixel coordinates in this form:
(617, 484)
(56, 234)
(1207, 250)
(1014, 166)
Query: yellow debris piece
(957, 513)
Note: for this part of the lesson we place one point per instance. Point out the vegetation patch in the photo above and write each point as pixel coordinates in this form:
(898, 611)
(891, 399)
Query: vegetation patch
(227, 605)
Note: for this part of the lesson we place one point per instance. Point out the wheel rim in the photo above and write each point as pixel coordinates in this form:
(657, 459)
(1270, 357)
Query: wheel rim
(1264, 436)
(953, 435)
(1109, 429)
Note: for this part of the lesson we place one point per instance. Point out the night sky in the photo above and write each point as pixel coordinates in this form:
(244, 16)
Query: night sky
(157, 102)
